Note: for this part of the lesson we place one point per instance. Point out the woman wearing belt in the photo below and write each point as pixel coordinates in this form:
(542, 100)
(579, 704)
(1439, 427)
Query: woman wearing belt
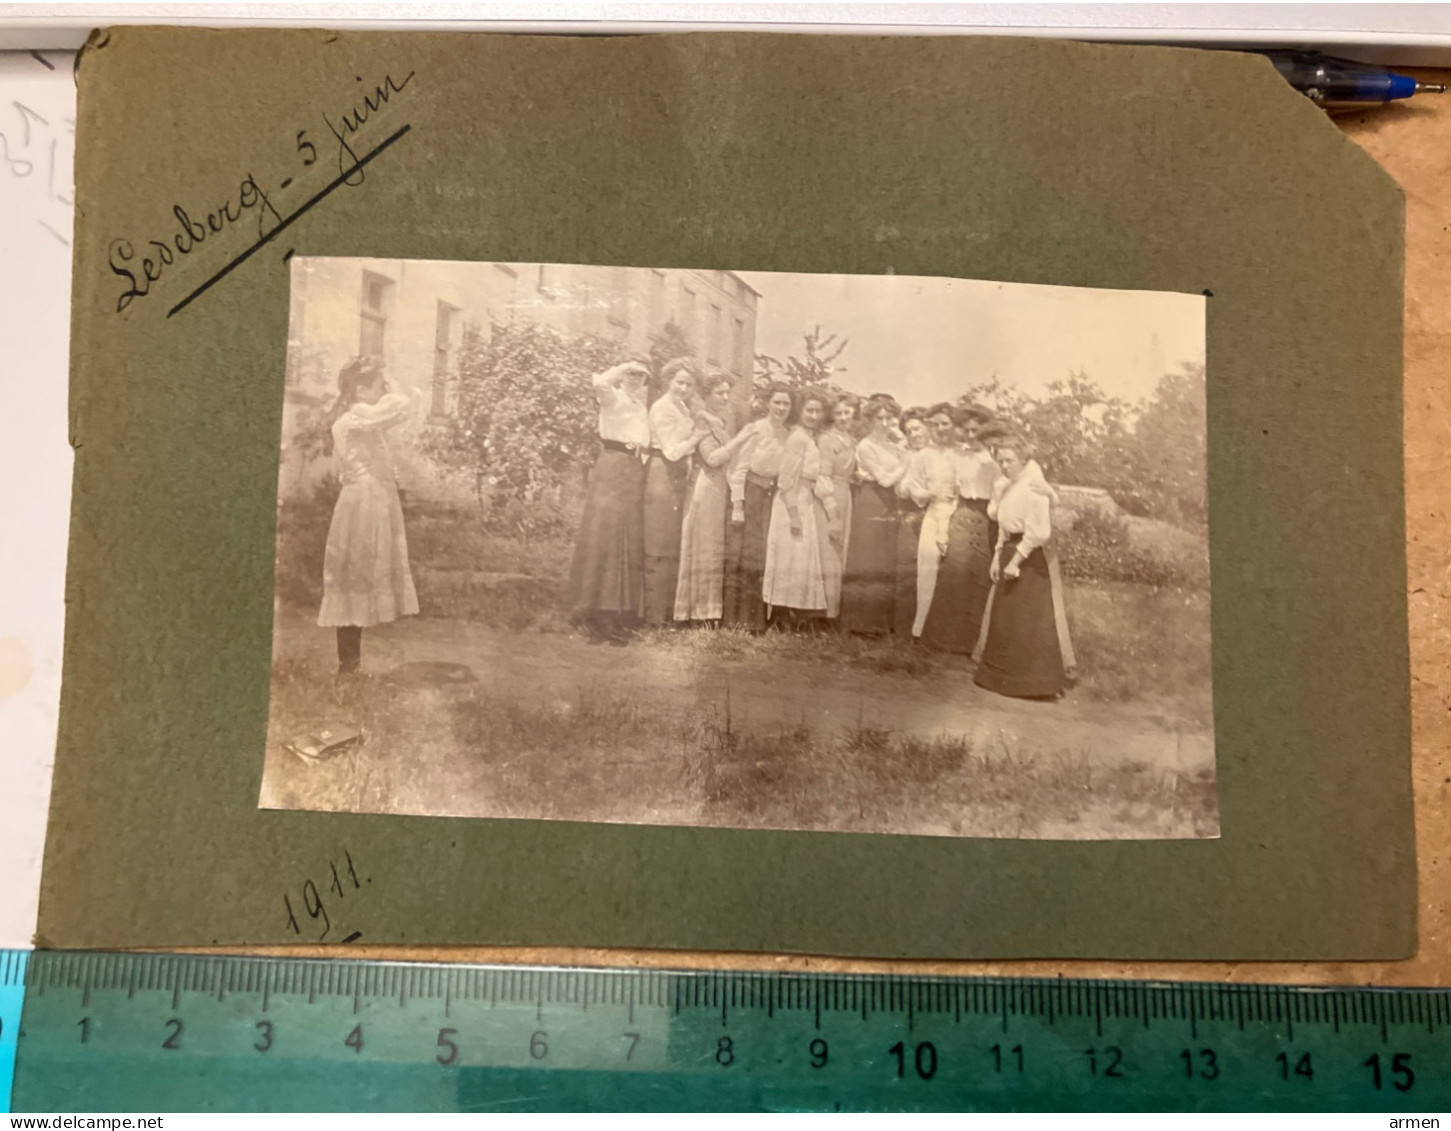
(1023, 656)
(607, 578)
(752, 479)
(837, 446)
(673, 436)
(869, 582)
(963, 581)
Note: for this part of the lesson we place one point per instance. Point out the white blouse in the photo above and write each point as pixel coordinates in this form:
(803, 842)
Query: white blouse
(930, 477)
(882, 463)
(1023, 506)
(759, 453)
(671, 428)
(623, 417)
(976, 472)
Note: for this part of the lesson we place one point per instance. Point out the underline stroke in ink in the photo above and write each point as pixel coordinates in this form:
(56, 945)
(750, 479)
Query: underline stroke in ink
(140, 272)
(316, 198)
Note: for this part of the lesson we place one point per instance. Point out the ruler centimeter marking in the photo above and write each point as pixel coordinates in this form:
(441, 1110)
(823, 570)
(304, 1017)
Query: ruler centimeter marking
(158, 1032)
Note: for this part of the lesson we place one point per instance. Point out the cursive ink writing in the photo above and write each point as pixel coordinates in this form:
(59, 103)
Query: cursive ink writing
(161, 254)
(353, 121)
(345, 882)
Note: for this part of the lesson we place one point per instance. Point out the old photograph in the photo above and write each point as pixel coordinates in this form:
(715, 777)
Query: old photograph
(704, 547)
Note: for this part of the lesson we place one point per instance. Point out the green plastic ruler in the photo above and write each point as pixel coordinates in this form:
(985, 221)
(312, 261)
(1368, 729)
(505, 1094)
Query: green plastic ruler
(153, 1033)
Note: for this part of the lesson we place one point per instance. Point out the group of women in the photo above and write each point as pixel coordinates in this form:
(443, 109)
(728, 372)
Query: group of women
(931, 525)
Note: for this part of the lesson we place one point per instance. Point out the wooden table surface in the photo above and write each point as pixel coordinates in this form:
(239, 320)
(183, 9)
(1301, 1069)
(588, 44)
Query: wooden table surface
(1413, 142)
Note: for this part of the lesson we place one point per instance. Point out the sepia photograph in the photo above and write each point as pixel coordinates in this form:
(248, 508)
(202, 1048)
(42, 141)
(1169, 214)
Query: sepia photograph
(851, 553)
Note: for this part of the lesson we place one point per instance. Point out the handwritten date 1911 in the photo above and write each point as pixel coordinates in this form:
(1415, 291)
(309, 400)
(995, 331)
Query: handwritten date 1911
(342, 881)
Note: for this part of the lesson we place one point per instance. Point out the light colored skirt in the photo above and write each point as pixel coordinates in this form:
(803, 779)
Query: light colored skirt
(793, 578)
(365, 574)
(702, 547)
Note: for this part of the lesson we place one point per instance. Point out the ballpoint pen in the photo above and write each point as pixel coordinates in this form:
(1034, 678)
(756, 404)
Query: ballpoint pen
(1341, 83)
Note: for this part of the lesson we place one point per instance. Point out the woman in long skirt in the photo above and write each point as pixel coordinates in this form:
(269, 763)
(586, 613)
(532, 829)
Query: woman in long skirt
(1023, 656)
(963, 580)
(909, 528)
(752, 478)
(700, 587)
(607, 577)
(673, 436)
(837, 446)
(869, 581)
(366, 579)
(794, 583)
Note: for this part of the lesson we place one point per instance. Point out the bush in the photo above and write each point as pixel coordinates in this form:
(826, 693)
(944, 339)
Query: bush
(1102, 547)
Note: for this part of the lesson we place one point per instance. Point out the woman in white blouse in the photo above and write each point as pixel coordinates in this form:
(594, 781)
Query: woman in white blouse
(752, 478)
(869, 581)
(1023, 656)
(366, 579)
(963, 577)
(794, 581)
(673, 436)
(607, 577)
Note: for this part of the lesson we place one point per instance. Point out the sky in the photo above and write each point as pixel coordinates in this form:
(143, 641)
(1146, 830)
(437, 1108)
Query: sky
(927, 339)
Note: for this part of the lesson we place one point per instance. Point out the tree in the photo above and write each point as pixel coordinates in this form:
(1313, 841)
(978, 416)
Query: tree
(526, 424)
(815, 367)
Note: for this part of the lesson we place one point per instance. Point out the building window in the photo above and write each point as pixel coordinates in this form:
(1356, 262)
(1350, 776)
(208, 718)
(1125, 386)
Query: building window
(712, 336)
(377, 300)
(443, 359)
(687, 316)
(742, 351)
(619, 296)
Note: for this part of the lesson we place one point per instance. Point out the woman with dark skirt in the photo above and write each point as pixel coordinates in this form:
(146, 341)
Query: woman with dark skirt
(963, 577)
(909, 528)
(673, 436)
(752, 479)
(869, 581)
(607, 578)
(1023, 656)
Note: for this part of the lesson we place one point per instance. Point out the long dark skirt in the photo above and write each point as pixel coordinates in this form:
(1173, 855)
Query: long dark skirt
(963, 584)
(869, 581)
(745, 561)
(608, 573)
(909, 533)
(665, 483)
(1022, 657)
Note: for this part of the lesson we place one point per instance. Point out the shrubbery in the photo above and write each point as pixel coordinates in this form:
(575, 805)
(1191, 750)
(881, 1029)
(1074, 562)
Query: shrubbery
(1101, 547)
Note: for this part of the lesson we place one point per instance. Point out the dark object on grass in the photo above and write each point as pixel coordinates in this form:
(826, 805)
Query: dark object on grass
(325, 742)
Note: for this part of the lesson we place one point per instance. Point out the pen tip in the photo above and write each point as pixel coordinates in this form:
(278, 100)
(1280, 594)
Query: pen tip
(1430, 88)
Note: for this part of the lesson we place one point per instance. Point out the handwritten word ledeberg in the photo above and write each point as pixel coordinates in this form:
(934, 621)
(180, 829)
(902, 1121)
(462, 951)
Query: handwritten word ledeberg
(196, 226)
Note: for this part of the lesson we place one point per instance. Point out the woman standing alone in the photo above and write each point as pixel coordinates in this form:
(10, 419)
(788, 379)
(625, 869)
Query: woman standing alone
(366, 579)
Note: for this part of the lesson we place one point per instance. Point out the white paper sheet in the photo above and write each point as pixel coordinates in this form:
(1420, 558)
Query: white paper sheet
(37, 136)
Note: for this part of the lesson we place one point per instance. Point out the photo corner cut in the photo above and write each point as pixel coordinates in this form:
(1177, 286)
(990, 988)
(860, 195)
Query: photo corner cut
(737, 549)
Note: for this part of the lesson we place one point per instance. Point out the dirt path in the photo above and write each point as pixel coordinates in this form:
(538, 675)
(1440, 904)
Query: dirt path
(543, 668)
